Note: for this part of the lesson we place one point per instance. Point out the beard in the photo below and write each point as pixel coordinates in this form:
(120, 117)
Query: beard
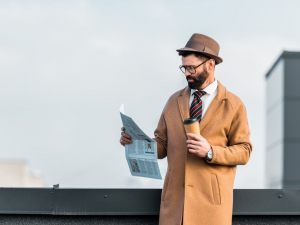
(196, 81)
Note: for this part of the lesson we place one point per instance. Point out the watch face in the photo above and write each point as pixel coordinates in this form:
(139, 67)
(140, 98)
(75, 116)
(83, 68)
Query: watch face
(209, 154)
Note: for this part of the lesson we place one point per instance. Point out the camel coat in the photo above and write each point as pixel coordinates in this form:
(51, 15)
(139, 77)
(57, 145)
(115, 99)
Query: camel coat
(195, 191)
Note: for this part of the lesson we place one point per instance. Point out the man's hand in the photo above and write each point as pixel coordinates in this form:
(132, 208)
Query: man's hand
(125, 138)
(197, 145)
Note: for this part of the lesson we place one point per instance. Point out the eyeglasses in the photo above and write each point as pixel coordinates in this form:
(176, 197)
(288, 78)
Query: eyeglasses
(190, 69)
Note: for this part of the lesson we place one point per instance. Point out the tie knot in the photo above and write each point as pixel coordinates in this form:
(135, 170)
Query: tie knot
(199, 94)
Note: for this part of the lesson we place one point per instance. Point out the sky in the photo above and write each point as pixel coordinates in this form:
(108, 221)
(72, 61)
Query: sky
(67, 66)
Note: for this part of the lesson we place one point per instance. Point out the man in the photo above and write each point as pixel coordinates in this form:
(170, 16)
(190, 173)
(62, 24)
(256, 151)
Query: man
(198, 188)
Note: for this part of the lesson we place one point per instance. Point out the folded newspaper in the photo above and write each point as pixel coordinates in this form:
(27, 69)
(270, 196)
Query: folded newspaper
(141, 155)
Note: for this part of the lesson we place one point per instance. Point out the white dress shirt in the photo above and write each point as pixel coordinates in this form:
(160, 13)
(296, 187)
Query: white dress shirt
(211, 92)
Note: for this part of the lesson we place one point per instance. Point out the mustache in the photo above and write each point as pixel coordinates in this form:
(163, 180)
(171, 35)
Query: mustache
(189, 77)
(200, 78)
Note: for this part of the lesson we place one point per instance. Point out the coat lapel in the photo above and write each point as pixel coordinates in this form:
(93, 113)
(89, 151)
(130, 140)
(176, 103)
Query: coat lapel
(183, 103)
(212, 110)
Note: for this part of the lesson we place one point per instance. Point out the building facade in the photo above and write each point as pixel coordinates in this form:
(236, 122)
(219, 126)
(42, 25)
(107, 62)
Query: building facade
(283, 122)
(17, 173)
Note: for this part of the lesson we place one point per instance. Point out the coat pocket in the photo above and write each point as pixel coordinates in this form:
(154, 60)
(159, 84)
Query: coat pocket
(215, 189)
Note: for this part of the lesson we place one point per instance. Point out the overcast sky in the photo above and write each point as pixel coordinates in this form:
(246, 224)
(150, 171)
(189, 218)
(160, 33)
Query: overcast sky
(66, 66)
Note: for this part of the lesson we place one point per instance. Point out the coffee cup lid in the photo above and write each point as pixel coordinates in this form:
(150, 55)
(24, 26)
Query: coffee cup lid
(190, 121)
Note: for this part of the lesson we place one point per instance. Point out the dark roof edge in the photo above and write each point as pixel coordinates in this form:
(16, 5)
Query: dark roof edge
(284, 54)
(64, 201)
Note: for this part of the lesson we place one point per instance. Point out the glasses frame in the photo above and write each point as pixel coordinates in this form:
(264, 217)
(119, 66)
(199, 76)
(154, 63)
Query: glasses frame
(191, 69)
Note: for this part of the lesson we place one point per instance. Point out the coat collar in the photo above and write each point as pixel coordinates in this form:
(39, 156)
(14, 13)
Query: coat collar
(212, 111)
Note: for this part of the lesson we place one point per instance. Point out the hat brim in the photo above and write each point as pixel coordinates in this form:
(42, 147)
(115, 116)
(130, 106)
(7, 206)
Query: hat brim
(216, 58)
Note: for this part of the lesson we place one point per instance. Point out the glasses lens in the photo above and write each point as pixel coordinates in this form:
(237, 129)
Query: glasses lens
(191, 69)
(182, 68)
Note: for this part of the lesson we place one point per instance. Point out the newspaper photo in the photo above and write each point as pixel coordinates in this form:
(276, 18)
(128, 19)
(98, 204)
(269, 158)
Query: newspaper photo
(141, 154)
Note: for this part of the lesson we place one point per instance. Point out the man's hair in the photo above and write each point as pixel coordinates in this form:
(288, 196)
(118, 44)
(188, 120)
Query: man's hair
(198, 55)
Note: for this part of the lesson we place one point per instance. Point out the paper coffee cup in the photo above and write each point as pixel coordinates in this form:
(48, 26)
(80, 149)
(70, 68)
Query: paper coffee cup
(191, 125)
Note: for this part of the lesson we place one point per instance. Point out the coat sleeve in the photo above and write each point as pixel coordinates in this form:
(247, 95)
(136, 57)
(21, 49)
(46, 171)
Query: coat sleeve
(161, 138)
(239, 147)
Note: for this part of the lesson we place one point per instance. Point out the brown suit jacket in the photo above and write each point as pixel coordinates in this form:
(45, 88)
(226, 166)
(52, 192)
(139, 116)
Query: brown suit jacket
(195, 191)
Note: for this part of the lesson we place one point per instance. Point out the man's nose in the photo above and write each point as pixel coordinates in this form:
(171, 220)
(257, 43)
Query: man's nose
(187, 73)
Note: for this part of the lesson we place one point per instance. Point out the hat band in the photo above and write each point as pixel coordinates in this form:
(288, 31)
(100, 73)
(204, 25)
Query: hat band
(209, 51)
(200, 47)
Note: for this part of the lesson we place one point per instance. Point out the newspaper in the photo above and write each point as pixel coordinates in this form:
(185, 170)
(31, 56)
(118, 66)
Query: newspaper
(141, 155)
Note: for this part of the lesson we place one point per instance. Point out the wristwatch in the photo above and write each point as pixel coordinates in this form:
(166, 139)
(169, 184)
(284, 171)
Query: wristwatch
(209, 155)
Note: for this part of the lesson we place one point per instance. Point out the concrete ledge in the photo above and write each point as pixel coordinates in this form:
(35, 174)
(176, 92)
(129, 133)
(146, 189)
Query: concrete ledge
(132, 220)
(134, 206)
(64, 201)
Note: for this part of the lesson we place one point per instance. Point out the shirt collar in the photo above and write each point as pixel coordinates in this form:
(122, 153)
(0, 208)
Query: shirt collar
(210, 89)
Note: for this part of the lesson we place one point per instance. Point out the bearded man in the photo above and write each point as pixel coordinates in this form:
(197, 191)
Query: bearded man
(198, 187)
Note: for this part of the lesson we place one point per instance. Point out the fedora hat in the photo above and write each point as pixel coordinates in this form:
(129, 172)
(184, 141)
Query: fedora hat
(200, 43)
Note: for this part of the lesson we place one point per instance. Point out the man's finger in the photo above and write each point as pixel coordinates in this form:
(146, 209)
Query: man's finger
(193, 136)
(192, 146)
(189, 141)
(121, 142)
(125, 135)
(126, 139)
(198, 137)
(193, 151)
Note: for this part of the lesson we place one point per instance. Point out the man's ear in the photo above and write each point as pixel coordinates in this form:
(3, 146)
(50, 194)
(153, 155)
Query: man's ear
(211, 64)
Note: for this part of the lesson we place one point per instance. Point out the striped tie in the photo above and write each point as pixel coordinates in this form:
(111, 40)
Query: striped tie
(196, 106)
